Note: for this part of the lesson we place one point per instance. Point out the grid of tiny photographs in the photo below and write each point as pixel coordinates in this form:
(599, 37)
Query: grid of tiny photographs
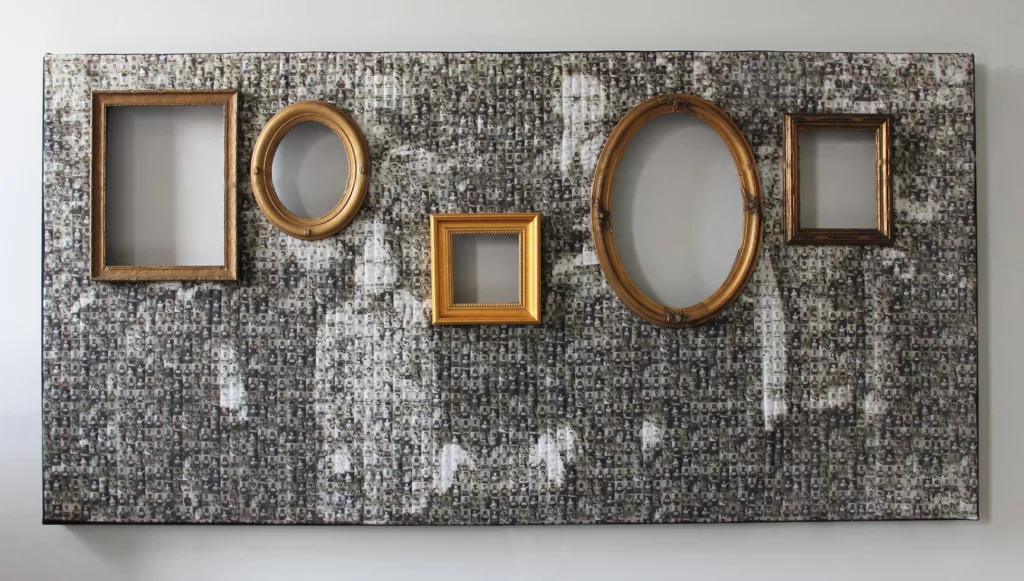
(841, 385)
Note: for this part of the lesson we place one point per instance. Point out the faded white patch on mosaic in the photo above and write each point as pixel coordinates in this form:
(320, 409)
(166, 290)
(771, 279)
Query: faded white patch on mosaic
(452, 458)
(232, 388)
(583, 108)
(375, 270)
(775, 354)
(553, 451)
(651, 435)
(567, 264)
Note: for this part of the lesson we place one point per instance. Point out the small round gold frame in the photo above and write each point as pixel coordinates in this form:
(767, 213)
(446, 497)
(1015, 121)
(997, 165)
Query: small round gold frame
(260, 173)
(601, 208)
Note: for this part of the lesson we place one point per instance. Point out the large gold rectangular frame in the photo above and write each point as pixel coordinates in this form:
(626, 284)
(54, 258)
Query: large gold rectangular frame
(882, 233)
(99, 269)
(445, 311)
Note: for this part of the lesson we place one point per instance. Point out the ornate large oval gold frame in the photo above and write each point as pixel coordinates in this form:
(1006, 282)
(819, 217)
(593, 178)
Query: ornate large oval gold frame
(601, 208)
(261, 177)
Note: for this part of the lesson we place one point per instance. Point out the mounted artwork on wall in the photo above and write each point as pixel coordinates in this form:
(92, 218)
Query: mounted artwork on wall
(837, 383)
(749, 192)
(876, 175)
(351, 188)
(451, 253)
(156, 156)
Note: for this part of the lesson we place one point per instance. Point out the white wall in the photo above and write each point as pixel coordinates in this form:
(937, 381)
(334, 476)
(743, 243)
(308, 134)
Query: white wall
(990, 549)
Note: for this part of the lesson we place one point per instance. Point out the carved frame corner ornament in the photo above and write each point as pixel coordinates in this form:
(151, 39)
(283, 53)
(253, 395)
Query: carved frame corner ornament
(99, 268)
(601, 209)
(882, 233)
(444, 310)
(262, 179)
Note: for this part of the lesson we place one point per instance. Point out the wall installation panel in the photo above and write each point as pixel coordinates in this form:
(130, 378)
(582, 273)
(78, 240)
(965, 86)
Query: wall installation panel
(840, 385)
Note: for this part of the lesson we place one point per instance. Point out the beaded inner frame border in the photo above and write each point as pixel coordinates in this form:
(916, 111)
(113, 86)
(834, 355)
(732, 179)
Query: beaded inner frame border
(841, 385)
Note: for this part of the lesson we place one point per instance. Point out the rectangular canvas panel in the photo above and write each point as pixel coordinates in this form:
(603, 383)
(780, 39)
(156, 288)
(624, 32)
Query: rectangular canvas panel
(841, 385)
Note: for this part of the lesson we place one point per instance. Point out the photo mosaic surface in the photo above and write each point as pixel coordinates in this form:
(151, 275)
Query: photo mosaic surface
(841, 385)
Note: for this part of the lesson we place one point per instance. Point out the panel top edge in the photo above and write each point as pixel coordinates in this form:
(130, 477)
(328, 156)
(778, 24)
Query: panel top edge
(49, 56)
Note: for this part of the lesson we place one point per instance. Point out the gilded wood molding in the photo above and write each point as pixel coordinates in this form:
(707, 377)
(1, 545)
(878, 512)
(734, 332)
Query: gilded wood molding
(444, 310)
(99, 268)
(261, 170)
(601, 210)
(882, 233)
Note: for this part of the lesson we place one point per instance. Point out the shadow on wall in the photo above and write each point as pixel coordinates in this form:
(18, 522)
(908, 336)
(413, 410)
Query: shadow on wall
(981, 101)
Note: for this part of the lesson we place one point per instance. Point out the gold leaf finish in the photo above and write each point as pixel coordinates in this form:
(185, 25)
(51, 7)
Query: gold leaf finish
(99, 269)
(444, 309)
(261, 172)
(601, 209)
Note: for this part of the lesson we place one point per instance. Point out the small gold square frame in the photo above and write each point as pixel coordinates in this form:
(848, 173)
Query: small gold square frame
(882, 233)
(99, 269)
(445, 311)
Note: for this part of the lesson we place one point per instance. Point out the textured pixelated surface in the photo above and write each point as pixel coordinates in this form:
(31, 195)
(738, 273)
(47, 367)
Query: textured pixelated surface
(841, 385)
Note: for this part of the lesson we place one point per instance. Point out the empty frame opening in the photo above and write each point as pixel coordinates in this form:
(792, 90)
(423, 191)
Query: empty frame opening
(838, 179)
(485, 268)
(310, 170)
(165, 186)
(677, 210)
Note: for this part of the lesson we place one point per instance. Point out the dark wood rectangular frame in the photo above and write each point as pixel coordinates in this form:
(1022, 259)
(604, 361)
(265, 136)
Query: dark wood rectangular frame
(882, 234)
